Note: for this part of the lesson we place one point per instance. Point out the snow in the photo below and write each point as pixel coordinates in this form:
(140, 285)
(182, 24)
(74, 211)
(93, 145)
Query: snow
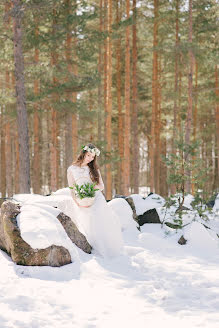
(201, 240)
(124, 212)
(216, 205)
(142, 205)
(156, 282)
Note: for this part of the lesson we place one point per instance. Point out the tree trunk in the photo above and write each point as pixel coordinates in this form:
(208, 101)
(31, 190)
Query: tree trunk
(163, 170)
(176, 88)
(119, 105)
(8, 158)
(74, 99)
(100, 70)
(3, 160)
(157, 155)
(22, 120)
(36, 128)
(134, 122)
(54, 121)
(189, 110)
(195, 115)
(154, 96)
(90, 106)
(68, 116)
(16, 147)
(109, 99)
(8, 142)
(127, 105)
(175, 107)
(217, 119)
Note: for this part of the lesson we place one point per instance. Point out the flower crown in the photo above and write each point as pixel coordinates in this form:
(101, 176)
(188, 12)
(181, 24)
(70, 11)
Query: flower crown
(95, 150)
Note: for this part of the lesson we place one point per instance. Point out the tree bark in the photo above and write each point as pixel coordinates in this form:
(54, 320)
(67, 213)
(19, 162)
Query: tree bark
(74, 99)
(105, 18)
(2, 146)
(109, 99)
(158, 126)
(134, 122)
(36, 129)
(22, 121)
(16, 147)
(163, 170)
(217, 118)
(54, 120)
(176, 88)
(176, 78)
(127, 105)
(154, 96)
(195, 114)
(8, 139)
(189, 110)
(100, 70)
(68, 116)
(8, 159)
(119, 105)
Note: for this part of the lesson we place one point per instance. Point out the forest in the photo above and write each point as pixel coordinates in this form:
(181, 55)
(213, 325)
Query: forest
(139, 79)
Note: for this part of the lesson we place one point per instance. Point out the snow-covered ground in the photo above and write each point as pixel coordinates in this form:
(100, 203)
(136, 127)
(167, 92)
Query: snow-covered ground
(155, 283)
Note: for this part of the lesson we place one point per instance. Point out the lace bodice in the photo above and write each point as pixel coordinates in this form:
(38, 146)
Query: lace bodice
(77, 174)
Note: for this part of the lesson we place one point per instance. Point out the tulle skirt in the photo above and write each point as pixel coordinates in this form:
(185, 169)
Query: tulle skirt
(99, 223)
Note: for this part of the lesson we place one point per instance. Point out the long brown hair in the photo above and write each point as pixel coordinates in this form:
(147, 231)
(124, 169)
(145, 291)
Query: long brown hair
(93, 166)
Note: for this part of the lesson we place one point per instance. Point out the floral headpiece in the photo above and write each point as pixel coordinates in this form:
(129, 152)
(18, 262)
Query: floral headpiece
(95, 150)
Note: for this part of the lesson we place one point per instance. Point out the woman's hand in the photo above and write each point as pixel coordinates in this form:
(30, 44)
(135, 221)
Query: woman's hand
(80, 205)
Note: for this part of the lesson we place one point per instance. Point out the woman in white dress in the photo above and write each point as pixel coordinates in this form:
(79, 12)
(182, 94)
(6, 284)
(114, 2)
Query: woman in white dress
(98, 222)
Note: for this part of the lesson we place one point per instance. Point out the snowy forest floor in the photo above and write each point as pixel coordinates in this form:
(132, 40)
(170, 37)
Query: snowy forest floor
(155, 283)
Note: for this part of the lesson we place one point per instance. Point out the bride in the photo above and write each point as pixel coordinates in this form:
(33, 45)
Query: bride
(97, 222)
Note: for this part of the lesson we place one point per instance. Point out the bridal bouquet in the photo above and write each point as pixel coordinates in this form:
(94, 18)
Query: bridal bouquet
(85, 193)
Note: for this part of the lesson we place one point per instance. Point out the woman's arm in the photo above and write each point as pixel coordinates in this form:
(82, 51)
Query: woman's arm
(71, 182)
(100, 185)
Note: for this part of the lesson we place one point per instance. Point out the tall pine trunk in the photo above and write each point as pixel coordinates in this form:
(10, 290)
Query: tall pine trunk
(22, 121)
(119, 105)
(16, 147)
(100, 71)
(176, 88)
(163, 191)
(154, 97)
(127, 105)
(109, 99)
(134, 121)
(68, 115)
(8, 129)
(217, 122)
(36, 129)
(8, 152)
(54, 120)
(157, 155)
(190, 100)
(74, 99)
(74, 96)
(195, 114)
(2, 157)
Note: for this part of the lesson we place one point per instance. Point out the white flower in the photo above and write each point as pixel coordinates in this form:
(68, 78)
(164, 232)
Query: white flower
(95, 151)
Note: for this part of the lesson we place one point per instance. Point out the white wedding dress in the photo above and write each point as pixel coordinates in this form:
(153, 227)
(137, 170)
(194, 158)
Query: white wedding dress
(99, 223)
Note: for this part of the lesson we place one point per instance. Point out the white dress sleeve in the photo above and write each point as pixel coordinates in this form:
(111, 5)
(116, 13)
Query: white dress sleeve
(101, 184)
(71, 181)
